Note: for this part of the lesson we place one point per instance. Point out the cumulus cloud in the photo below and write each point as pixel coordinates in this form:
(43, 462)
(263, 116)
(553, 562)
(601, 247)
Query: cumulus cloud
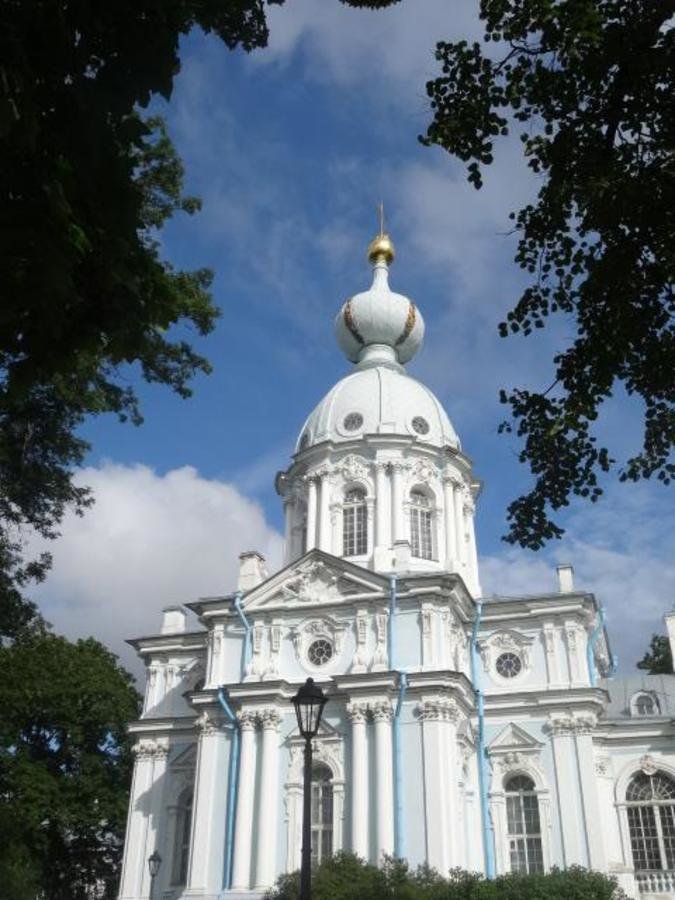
(149, 541)
(393, 48)
(621, 549)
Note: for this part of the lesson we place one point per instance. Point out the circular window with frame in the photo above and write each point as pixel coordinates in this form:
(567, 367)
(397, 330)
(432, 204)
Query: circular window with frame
(420, 425)
(352, 421)
(320, 652)
(508, 665)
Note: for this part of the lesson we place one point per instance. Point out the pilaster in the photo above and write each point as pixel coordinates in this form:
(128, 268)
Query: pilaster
(359, 780)
(384, 782)
(266, 857)
(241, 868)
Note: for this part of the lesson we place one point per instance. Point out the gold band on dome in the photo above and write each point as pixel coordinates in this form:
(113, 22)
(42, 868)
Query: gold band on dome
(381, 248)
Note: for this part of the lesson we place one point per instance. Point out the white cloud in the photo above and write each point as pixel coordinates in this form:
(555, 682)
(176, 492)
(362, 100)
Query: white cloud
(149, 541)
(621, 549)
(391, 49)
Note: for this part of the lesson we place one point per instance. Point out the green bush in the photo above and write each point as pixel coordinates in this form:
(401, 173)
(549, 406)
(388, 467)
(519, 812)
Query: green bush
(346, 877)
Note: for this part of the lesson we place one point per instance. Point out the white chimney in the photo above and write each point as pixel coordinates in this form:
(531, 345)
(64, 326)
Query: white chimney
(669, 619)
(173, 620)
(402, 556)
(565, 578)
(252, 570)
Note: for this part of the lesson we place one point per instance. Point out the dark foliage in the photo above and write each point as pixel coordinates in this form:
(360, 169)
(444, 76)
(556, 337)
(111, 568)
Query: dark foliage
(589, 85)
(346, 877)
(658, 660)
(65, 766)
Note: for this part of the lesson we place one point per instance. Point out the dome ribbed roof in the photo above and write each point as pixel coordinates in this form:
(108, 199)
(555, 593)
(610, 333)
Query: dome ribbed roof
(378, 400)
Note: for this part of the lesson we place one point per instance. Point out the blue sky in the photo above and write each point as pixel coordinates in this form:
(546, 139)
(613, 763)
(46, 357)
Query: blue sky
(291, 148)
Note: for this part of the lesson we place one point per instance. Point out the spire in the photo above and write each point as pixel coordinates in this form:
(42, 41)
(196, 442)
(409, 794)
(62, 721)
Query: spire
(381, 248)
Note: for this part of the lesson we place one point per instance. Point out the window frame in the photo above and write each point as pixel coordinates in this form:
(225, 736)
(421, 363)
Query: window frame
(325, 824)
(517, 799)
(648, 814)
(422, 524)
(355, 522)
(180, 859)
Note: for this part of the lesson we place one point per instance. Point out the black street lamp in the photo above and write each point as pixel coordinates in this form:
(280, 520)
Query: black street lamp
(154, 862)
(309, 703)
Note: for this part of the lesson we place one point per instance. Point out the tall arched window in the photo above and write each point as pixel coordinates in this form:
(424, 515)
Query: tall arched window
(181, 841)
(354, 523)
(650, 804)
(322, 813)
(523, 824)
(421, 525)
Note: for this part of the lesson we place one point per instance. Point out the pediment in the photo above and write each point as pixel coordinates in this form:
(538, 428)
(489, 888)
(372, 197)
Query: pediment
(315, 580)
(513, 738)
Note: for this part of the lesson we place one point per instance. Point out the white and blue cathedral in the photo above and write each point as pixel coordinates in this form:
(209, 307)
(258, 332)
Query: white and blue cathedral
(461, 730)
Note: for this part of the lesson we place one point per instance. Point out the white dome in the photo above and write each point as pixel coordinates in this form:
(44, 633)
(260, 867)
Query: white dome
(378, 399)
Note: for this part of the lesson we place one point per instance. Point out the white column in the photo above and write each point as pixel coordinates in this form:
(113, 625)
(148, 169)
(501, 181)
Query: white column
(551, 650)
(289, 508)
(472, 550)
(449, 515)
(597, 857)
(207, 836)
(311, 513)
(266, 857)
(382, 535)
(384, 782)
(561, 729)
(359, 781)
(460, 543)
(435, 774)
(397, 502)
(135, 857)
(243, 832)
(155, 809)
(325, 542)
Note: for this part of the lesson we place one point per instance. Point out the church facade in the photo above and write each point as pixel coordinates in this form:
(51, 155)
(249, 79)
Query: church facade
(484, 733)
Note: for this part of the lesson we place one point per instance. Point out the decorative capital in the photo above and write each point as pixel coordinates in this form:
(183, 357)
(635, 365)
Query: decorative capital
(438, 710)
(270, 718)
(382, 712)
(357, 712)
(247, 719)
(205, 724)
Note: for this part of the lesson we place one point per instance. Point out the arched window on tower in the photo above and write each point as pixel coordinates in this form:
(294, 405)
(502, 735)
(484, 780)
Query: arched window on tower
(650, 805)
(523, 824)
(421, 525)
(354, 523)
(181, 841)
(322, 813)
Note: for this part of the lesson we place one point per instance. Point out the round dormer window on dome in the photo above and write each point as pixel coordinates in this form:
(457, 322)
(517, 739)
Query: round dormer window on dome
(352, 421)
(420, 425)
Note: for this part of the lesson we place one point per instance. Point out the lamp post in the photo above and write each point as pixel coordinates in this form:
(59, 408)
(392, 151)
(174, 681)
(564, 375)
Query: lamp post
(309, 703)
(154, 862)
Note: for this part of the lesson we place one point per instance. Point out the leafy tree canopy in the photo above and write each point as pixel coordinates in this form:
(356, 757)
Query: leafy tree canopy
(589, 87)
(64, 766)
(658, 660)
(86, 181)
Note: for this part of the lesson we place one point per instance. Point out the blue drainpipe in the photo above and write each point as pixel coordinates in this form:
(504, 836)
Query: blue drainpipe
(399, 839)
(590, 647)
(233, 769)
(486, 819)
(232, 786)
